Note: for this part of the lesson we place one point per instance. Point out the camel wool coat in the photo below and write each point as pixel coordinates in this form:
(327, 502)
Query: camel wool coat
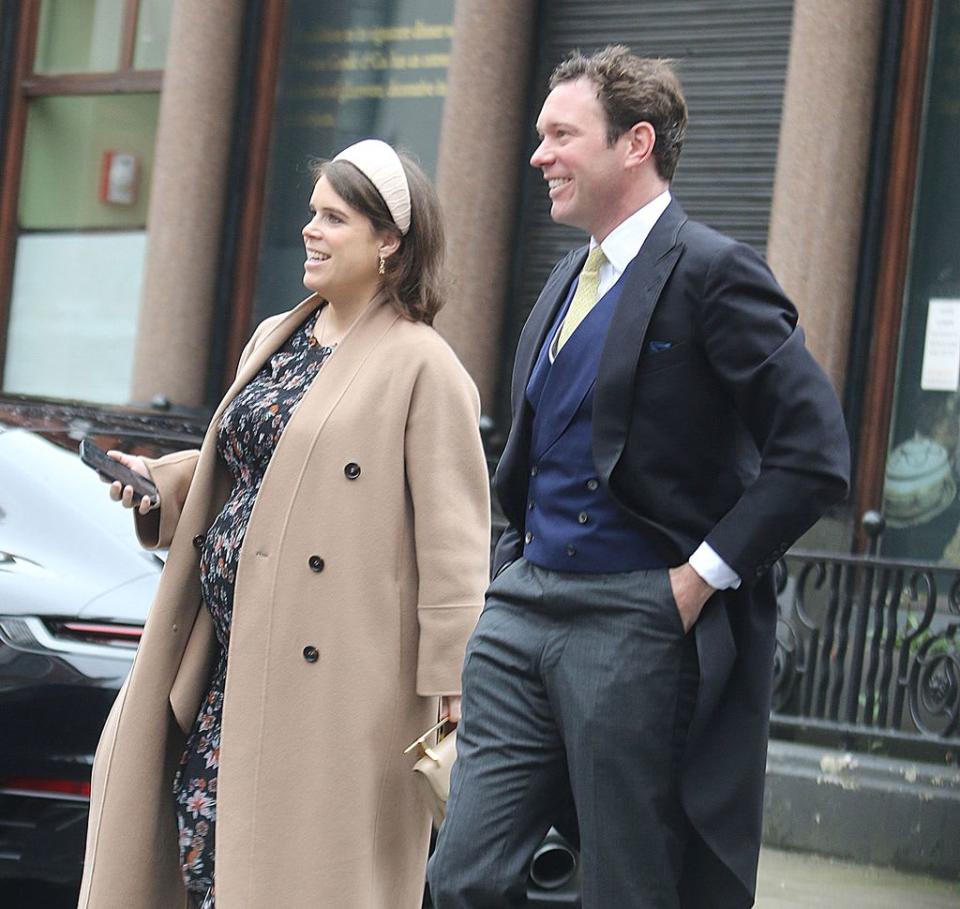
(369, 541)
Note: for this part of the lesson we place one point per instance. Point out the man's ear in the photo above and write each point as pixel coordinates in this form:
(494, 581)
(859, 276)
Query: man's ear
(641, 139)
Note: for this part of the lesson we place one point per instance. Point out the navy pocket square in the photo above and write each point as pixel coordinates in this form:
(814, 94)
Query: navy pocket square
(658, 346)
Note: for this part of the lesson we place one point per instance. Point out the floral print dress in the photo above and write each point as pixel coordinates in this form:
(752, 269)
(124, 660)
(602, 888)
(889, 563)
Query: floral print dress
(247, 435)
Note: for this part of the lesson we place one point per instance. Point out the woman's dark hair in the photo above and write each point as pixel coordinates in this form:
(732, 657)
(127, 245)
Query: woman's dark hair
(413, 277)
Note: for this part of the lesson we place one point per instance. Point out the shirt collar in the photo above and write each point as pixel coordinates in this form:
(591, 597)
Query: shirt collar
(623, 243)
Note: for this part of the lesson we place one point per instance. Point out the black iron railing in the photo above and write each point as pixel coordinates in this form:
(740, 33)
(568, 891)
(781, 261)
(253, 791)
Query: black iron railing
(868, 654)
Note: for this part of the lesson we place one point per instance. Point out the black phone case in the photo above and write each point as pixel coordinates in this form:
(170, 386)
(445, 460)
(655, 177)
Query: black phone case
(107, 467)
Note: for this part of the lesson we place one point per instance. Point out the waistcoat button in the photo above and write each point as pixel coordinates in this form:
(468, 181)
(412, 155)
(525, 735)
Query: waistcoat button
(571, 549)
(528, 537)
(593, 485)
(583, 517)
(534, 470)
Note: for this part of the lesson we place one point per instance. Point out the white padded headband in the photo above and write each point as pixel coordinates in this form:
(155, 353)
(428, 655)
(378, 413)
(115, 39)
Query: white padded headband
(380, 164)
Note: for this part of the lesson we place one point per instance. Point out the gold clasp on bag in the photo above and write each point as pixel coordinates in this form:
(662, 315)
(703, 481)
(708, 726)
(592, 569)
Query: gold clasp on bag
(425, 749)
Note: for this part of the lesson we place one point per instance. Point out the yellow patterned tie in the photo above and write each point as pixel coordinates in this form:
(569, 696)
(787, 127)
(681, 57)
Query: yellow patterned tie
(585, 296)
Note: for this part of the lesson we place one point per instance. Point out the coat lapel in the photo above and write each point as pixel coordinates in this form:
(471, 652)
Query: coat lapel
(339, 368)
(323, 394)
(644, 281)
(207, 466)
(266, 348)
(333, 380)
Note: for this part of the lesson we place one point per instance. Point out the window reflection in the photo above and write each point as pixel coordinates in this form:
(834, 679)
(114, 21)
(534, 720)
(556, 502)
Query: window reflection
(153, 34)
(923, 464)
(79, 36)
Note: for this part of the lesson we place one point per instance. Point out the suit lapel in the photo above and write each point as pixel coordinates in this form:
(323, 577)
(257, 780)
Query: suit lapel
(644, 281)
(573, 374)
(510, 478)
(538, 324)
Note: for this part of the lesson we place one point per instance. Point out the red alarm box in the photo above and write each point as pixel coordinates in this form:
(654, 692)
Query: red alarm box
(119, 177)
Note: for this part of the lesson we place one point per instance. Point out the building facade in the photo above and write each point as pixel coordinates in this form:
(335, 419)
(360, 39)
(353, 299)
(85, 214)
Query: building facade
(154, 176)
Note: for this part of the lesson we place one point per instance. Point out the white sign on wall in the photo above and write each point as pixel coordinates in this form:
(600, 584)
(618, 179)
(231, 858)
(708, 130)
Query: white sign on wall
(941, 347)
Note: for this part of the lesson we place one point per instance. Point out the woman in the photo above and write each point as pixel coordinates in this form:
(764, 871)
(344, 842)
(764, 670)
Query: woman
(328, 556)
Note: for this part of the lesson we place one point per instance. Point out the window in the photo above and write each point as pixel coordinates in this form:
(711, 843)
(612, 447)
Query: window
(83, 129)
(347, 72)
(921, 507)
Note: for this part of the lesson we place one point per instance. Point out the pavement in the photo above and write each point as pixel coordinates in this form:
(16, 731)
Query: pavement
(793, 880)
(788, 880)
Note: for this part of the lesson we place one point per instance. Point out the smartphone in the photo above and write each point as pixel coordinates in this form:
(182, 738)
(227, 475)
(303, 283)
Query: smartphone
(112, 470)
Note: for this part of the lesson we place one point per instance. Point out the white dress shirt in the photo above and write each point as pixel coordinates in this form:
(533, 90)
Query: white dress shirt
(620, 247)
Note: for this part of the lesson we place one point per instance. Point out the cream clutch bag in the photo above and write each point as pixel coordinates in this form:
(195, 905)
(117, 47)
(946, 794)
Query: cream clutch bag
(433, 768)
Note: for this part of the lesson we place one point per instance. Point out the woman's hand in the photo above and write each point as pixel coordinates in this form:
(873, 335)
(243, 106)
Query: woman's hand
(125, 494)
(450, 708)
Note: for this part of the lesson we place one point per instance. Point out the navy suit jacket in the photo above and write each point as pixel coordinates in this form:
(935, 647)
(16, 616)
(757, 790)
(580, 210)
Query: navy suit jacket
(711, 422)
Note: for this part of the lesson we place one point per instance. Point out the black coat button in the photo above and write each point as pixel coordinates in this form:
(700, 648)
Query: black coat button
(311, 654)
(593, 485)
(352, 470)
(583, 517)
(528, 537)
(198, 540)
(571, 550)
(316, 563)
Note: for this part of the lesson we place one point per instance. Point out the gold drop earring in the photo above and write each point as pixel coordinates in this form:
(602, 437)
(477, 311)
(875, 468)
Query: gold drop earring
(382, 269)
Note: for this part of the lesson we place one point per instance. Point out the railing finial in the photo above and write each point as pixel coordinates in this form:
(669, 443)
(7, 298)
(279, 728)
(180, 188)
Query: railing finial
(873, 525)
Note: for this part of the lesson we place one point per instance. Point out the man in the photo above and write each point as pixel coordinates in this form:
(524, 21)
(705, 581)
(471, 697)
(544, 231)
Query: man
(671, 438)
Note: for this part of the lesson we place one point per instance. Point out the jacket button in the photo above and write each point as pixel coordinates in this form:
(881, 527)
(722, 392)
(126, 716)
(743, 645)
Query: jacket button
(571, 550)
(311, 654)
(530, 505)
(583, 517)
(352, 470)
(593, 485)
(198, 540)
(534, 470)
(528, 537)
(315, 563)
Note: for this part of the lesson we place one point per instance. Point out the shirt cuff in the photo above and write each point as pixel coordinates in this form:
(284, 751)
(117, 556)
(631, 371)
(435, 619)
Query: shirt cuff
(717, 573)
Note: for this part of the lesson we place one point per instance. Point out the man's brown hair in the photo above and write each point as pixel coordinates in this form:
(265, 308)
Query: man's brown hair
(631, 90)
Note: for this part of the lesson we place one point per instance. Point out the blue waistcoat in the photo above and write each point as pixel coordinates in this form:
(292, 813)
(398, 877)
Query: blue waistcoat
(572, 522)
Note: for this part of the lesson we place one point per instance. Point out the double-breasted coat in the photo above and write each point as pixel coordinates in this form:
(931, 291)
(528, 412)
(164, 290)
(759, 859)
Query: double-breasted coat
(369, 542)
